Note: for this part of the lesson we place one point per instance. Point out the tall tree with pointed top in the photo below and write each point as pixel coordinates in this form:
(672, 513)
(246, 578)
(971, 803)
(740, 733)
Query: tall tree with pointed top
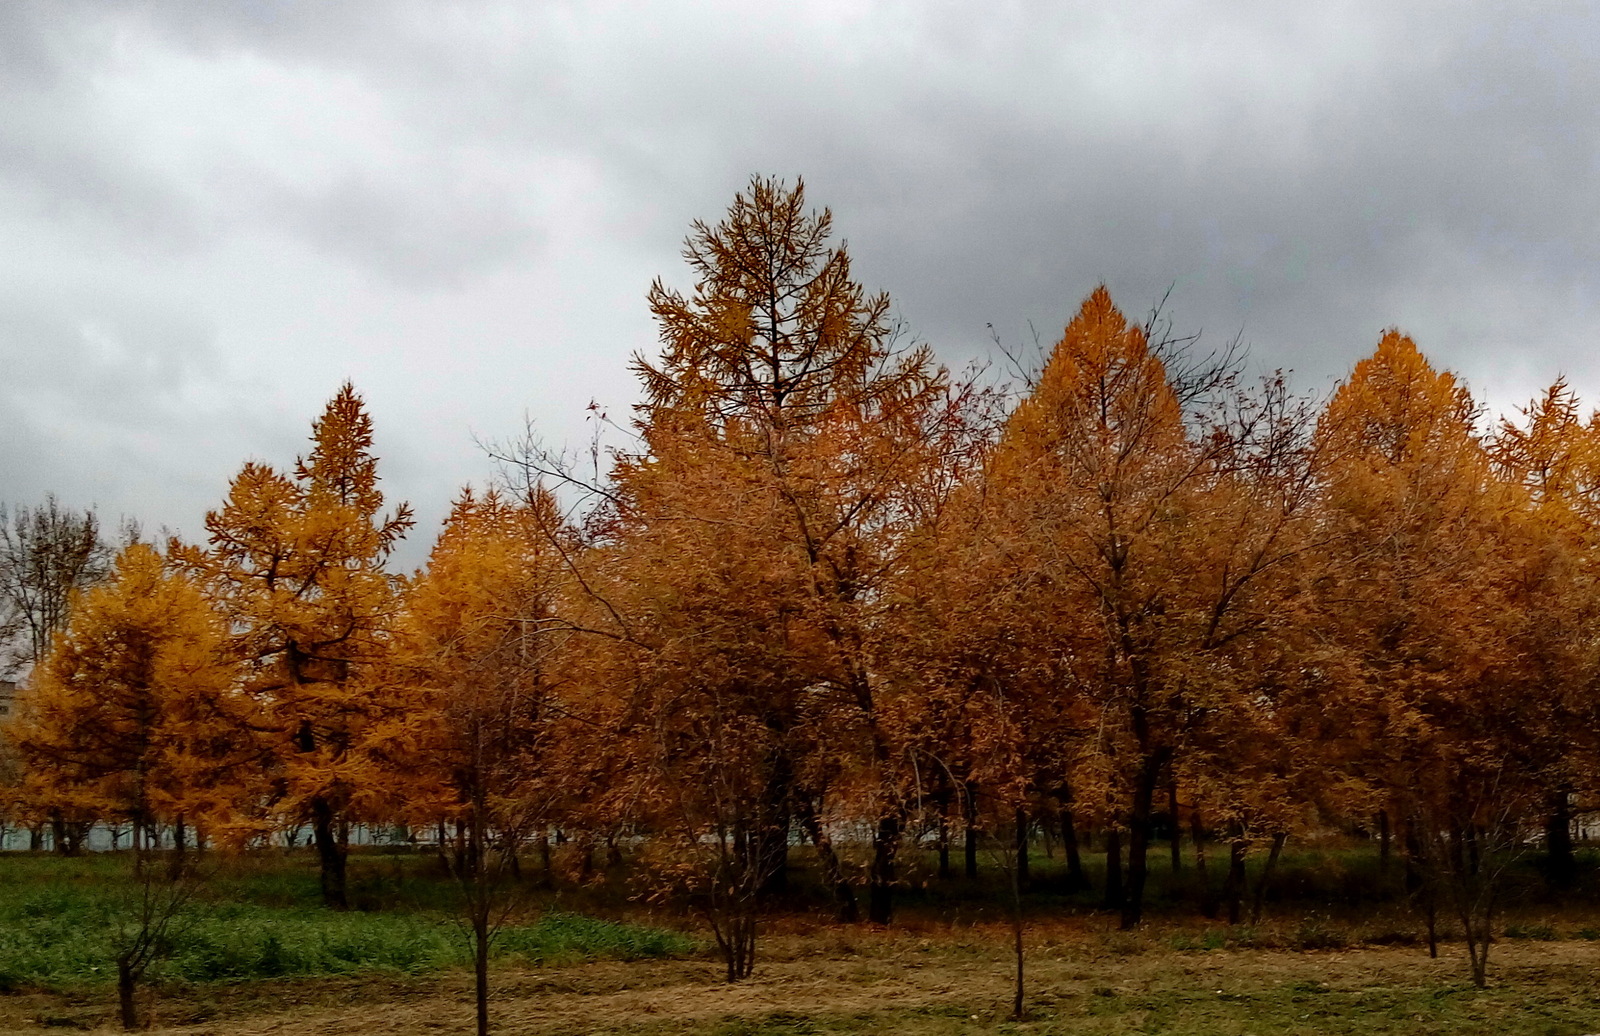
(786, 439)
(1432, 573)
(1156, 545)
(296, 563)
(473, 657)
(1553, 454)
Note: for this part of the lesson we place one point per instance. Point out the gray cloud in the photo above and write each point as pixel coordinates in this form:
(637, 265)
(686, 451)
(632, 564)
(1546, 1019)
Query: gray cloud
(444, 237)
(459, 205)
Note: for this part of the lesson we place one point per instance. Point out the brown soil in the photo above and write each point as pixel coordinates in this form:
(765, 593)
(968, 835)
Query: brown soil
(855, 972)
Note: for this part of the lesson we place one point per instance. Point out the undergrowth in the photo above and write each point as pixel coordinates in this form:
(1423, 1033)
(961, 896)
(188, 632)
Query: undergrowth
(59, 921)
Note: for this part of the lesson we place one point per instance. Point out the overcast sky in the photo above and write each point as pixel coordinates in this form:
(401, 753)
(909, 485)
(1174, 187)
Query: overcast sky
(212, 212)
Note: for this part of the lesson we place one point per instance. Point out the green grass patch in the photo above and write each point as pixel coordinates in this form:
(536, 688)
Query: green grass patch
(60, 921)
(561, 937)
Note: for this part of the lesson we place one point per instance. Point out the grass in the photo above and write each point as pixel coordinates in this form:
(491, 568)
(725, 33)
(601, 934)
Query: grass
(1338, 950)
(1339, 883)
(565, 938)
(1296, 1009)
(259, 919)
(1083, 984)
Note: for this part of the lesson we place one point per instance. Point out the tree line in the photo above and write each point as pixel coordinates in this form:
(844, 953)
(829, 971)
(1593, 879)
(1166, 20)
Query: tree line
(821, 588)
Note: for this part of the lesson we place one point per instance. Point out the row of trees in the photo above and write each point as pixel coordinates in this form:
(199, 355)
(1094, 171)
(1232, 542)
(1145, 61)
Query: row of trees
(827, 588)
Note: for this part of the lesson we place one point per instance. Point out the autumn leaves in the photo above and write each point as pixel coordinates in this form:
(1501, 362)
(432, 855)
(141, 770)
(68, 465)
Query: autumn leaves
(833, 589)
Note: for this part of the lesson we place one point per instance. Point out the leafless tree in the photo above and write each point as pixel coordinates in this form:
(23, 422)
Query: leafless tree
(46, 554)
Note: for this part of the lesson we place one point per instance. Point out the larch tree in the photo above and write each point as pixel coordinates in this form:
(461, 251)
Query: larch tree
(48, 554)
(1431, 571)
(134, 717)
(296, 564)
(1554, 456)
(473, 659)
(975, 651)
(715, 661)
(785, 439)
(782, 369)
(1158, 539)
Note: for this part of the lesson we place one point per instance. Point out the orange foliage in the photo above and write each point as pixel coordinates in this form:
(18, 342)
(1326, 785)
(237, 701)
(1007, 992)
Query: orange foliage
(133, 714)
(830, 585)
(296, 565)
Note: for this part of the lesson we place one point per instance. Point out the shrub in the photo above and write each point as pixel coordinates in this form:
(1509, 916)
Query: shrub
(1315, 933)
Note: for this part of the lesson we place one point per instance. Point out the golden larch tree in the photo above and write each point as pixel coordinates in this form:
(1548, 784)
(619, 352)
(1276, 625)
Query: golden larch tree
(473, 659)
(296, 564)
(134, 716)
(784, 382)
(1158, 540)
(1553, 454)
(1430, 565)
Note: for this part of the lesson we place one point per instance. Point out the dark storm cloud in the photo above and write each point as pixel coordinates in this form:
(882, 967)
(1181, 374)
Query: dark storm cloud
(1407, 184)
(460, 205)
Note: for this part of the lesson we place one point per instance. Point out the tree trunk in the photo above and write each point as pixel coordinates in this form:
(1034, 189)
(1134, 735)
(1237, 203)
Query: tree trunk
(1177, 830)
(127, 1007)
(1016, 914)
(1475, 909)
(740, 947)
(585, 857)
(480, 962)
(1197, 834)
(330, 854)
(969, 806)
(1233, 885)
(1383, 843)
(1421, 884)
(774, 851)
(543, 844)
(885, 842)
(1114, 897)
(774, 834)
(180, 846)
(1077, 880)
(1560, 863)
(1413, 873)
(944, 846)
(1478, 953)
(68, 836)
(1278, 839)
(1023, 825)
(832, 872)
(1144, 793)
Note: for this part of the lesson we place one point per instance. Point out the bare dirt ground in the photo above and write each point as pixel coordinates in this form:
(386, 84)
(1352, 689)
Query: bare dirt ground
(898, 981)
